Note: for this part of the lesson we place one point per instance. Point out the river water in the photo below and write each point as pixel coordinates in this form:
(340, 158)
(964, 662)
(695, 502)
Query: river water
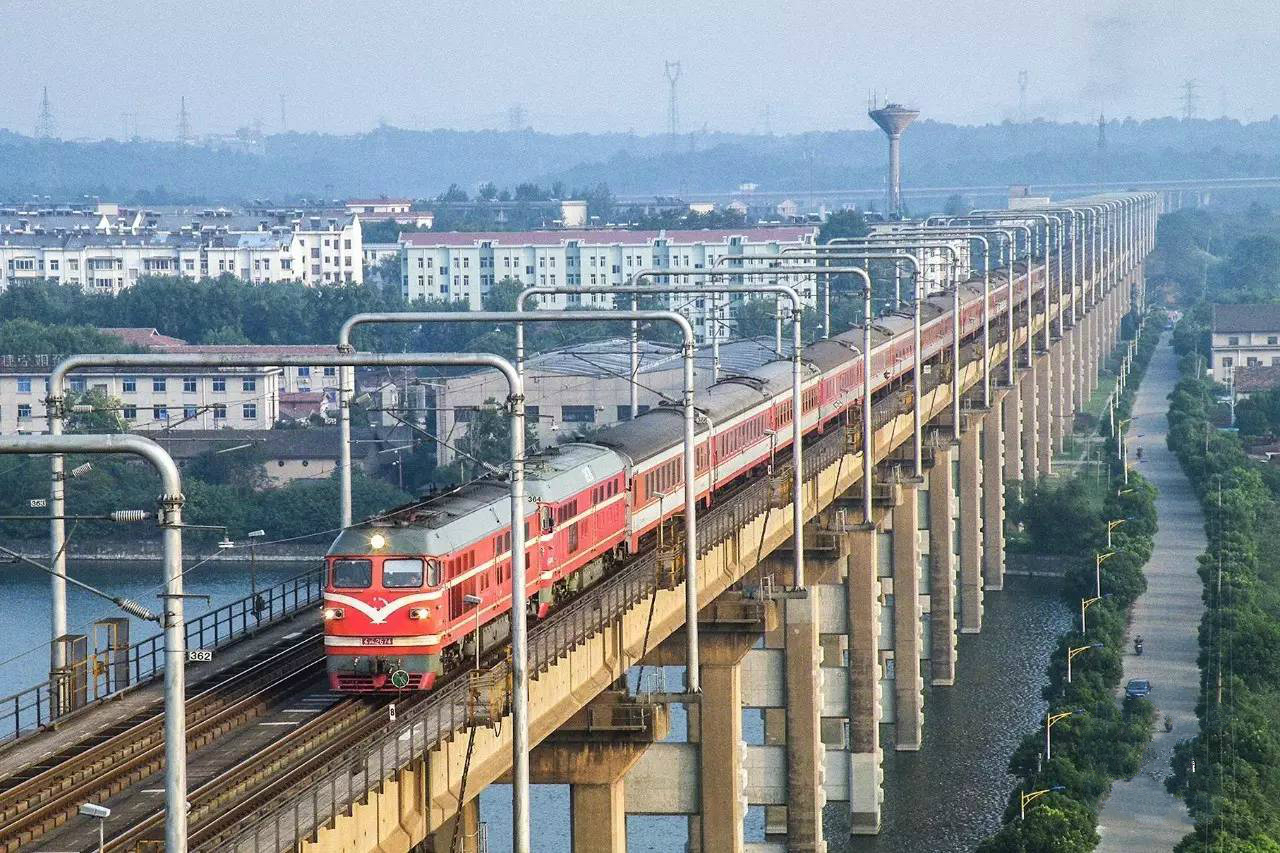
(24, 627)
(945, 798)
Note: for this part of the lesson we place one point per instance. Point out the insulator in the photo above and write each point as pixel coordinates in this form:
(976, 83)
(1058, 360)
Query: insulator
(82, 408)
(81, 470)
(133, 608)
(127, 515)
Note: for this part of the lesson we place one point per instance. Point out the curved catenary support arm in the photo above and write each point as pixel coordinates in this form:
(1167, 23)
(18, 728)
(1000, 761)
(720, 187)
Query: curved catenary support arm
(169, 515)
(519, 631)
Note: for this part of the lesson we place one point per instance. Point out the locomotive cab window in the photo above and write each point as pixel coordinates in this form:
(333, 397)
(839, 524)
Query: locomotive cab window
(401, 573)
(545, 517)
(352, 574)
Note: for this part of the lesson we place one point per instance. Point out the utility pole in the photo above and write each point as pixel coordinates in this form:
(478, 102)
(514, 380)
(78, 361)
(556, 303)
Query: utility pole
(44, 124)
(672, 71)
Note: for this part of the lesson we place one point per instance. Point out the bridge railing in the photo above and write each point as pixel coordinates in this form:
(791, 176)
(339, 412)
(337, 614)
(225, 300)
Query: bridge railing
(106, 674)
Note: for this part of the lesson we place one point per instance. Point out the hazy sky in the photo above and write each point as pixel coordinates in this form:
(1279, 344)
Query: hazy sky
(598, 66)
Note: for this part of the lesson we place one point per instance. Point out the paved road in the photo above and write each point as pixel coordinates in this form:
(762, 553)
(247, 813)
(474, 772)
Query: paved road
(1140, 815)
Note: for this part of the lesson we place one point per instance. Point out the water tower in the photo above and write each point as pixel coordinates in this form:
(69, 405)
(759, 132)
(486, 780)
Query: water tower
(893, 119)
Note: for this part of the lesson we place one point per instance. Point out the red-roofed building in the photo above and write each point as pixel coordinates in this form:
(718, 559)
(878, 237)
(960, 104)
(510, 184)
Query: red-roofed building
(466, 265)
(145, 338)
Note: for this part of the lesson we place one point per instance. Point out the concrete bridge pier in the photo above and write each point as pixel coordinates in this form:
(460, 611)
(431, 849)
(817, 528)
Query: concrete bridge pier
(863, 600)
(942, 506)
(908, 683)
(1011, 419)
(1044, 414)
(592, 754)
(970, 488)
(1030, 426)
(994, 458)
(805, 752)
(1067, 395)
(1058, 359)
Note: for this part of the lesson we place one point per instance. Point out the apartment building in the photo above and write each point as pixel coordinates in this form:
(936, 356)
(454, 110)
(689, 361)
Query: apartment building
(307, 248)
(1243, 336)
(149, 399)
(465, 266)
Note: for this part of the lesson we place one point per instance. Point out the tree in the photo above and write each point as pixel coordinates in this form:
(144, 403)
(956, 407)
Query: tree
(227, 334)
(843, 223)
(23, 336)
(1055, 824)
(485, 446)
(957, 205)
(104, 418)
(488, 191)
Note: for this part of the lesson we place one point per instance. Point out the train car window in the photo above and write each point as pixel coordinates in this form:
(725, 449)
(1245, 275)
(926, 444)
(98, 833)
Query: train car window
(402, 573)
(352, 574)
(544, 514)
(433, 572)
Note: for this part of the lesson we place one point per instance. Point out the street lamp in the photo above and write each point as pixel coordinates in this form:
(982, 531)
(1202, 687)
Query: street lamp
(101, 813)
(1085, 604)
(253, 571)
(1035, 795)
(1049, 721)
(1079, 650)
(1098, 560)
(475, 601)
(1112, 525)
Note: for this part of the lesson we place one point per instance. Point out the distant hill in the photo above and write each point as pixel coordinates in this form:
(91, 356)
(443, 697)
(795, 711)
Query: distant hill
(424, 164)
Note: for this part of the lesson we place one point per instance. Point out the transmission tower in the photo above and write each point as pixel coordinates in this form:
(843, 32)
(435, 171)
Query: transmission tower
(1023, 79)
(517, 118)
(44, 123)
(1102, 132)
(672, 70)
(1190, 99)
(184, 124)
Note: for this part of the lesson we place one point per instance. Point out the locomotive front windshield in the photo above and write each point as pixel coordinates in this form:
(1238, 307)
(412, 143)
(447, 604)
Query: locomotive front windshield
(352, 574)
(401, 573)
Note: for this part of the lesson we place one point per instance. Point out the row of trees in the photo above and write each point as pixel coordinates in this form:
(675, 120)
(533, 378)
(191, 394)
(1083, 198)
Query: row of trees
(1227, 773)
(1099, 742)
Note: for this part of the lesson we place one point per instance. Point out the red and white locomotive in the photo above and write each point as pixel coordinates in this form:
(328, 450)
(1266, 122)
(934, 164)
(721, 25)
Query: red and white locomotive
(408, 595)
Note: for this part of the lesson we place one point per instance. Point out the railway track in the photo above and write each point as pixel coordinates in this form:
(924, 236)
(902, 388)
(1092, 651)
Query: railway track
(232, 795)
(44, 796)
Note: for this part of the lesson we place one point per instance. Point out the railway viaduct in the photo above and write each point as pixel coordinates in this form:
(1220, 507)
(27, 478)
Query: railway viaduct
(831, 668)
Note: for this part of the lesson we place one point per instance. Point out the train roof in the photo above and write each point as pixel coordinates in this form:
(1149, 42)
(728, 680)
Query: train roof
(447, 522)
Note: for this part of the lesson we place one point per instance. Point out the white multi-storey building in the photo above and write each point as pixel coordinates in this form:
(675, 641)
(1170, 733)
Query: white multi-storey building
(465, 266)
(150, 399)
(312, 249)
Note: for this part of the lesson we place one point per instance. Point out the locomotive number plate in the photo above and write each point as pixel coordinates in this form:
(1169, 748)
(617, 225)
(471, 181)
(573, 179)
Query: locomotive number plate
(375, 641)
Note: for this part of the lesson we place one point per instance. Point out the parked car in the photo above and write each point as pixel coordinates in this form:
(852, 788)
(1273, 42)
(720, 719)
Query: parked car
(1137, 688)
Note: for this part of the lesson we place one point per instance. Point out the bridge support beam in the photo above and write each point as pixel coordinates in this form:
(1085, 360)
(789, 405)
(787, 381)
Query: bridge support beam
(862, 602)
(1057, 362)
(1011, 409)
(942, 568)
(806, 754)
(908, 684)
(1030, 435)
(1044, 415)
(970, 527)
(1067, 397)
(993, 449)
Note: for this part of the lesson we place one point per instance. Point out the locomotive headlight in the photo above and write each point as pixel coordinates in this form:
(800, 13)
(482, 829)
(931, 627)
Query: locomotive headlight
(377, 541)
(331, 613)
(418, 613)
